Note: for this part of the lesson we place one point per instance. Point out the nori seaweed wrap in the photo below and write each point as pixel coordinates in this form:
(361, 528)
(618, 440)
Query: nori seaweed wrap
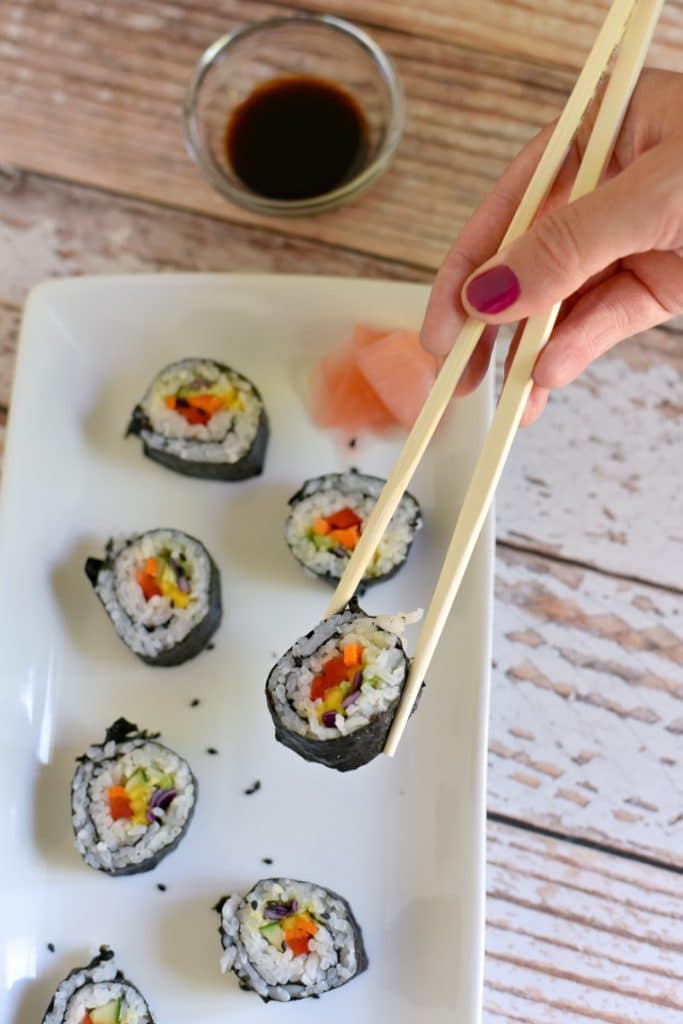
(132, 801)
(201, 418)
(288, 939)
(162, 592)
(99, 994)
(327, 517)
(333, 695)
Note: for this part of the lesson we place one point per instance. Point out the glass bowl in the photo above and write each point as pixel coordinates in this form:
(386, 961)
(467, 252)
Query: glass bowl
(304, 44)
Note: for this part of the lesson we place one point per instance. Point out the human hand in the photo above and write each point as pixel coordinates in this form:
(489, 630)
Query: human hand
(614, 257)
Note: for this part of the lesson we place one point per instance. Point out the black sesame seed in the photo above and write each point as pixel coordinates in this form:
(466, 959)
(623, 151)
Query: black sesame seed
(254, 788)
(211, 750)
(194, 703)
(51, 947)
(210, 647)
(352, 443)
(266, 860)
(161, 887)
(254, 905)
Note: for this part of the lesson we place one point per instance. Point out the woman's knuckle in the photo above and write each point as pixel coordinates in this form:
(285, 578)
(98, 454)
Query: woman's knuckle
(559, 239)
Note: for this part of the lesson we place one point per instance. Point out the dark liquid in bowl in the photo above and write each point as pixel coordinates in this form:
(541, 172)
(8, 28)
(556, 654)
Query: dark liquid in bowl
(296, 138)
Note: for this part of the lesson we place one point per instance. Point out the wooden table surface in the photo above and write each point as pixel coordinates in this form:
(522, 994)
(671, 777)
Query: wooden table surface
(585, 897)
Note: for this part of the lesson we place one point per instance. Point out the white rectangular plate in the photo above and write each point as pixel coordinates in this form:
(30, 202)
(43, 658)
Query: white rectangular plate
(402, 839)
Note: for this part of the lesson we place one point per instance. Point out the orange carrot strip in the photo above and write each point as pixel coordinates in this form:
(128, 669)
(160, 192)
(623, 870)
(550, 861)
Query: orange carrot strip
(209, 404)
(347, 538)
(306, 924)
(353, 654)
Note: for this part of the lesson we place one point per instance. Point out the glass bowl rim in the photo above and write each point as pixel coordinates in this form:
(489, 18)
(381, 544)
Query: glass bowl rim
(292, 207)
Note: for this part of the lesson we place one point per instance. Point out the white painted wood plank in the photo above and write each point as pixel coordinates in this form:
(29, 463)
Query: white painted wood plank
(587, 705)
(599, 479)
(575, 935)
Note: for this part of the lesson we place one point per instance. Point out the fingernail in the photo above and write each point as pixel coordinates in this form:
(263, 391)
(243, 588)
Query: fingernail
(494, 290)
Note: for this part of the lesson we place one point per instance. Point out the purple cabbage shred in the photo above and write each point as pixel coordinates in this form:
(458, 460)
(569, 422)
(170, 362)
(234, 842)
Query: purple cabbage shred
(274, 911)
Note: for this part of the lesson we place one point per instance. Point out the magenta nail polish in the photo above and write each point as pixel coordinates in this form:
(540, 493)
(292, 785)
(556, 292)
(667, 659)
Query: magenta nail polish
(494, 290)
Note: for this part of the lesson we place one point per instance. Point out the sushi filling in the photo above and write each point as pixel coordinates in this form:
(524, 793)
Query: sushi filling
(92, 1005)
(201, 410)
(354, 677)
(340, 530)
(327, 521)
(131, 801)
(140, 794)
(289, 939)
(155, 589)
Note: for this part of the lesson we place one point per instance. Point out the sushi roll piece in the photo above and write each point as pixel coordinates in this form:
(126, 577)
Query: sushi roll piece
(132, 801)
(162, 592)
(98, 994)
(288, 940)
(203, 419)
(326, 519)
(333, 695)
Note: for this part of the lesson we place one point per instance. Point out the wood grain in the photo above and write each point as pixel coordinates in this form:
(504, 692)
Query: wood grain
(93, 93)
(578, 937)
(547, 31)
(51, 229)
(587, 705)
(600, 481)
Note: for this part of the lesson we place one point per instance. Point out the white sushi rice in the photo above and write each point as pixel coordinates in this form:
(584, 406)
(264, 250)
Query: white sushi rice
(90, 988)
(228, 435)
(384, 672)
(322, 497)
(119, 846)
(331, 961)
(150, 627)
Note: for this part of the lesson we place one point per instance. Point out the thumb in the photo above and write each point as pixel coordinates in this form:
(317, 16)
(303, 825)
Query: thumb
(566, 247)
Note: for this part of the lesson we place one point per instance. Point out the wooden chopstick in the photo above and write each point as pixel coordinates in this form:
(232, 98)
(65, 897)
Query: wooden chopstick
(441, 393)
(517, 389)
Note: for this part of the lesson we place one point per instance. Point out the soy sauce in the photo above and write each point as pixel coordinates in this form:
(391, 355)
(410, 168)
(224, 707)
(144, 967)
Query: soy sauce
(296, 137)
